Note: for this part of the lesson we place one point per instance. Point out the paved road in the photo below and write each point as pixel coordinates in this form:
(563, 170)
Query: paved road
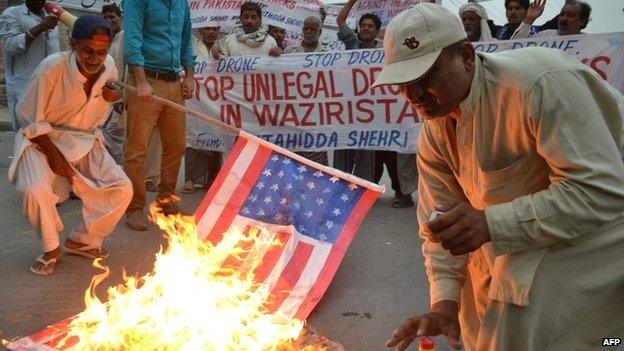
(381, 280)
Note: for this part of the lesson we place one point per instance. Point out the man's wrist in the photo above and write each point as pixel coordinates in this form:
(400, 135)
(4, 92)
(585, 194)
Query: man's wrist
(34, 32)
(446, 306)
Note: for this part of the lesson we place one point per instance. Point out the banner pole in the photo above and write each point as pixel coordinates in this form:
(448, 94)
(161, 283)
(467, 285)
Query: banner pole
(202, 116)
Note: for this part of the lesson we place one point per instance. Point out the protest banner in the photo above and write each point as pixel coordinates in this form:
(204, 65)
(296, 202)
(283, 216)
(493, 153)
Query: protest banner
(323, 101)
(86, 5)
(288, 14)
(310, 101)
(601, 52)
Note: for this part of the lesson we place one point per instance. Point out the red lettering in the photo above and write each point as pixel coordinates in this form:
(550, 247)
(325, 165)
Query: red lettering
(335, 113)
(408, 111)
(387, 103)
(307, 114)
(360, 82)
(226, 84)
(290, 115)
(332, 84)
(266, 113)
(288, 84)
(360, 107)
(305, 89)
(596, 61)
(276, 95)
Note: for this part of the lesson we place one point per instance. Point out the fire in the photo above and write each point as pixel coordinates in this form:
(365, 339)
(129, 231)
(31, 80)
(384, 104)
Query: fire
(191, 301)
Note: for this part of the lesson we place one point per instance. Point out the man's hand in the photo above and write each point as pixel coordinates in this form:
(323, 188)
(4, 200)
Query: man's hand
(216, 52)
(57, 162)
(275, 52)
(110, 92)
(188, 87)
(461, 228)
(442, 320)
(535, 10)
(145, 92)
(49, 22)
(323, 14)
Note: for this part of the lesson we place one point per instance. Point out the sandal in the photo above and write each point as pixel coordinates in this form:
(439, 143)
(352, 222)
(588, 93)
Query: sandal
(189, 187)
(44, 267)
(84, 250)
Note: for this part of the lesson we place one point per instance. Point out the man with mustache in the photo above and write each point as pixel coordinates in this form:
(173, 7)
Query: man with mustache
(520, 208)
(515, 11)
(573, 17)
(61, 112)
(29, 34)
(249, 39)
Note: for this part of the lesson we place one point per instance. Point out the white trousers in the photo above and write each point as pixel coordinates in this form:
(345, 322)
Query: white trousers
(100, 183)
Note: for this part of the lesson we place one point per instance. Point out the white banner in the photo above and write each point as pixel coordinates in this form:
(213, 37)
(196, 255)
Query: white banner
(86, 5)
(312, 101)
(288, 14)
(604, 53)
(322, 101)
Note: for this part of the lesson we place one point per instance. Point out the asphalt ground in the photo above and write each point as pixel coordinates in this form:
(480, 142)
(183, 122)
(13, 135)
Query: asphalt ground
(380, 282)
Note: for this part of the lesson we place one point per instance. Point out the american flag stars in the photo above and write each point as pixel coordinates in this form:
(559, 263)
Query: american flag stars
(292, 193)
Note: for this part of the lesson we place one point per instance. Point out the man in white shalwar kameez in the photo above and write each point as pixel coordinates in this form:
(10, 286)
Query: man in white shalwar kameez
(61, 111)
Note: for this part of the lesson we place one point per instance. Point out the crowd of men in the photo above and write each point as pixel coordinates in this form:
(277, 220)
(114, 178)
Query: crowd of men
(504, 231)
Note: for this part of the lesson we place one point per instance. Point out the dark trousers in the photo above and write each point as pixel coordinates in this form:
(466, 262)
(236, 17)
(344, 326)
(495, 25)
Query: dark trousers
(388, 158)
(201, 166)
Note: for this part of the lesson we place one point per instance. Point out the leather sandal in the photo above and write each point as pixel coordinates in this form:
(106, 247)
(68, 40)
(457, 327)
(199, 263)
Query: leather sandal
(88, 251)
(44, 267)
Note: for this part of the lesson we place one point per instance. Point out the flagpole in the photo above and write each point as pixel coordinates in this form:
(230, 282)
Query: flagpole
(214, 121)
(202, 116)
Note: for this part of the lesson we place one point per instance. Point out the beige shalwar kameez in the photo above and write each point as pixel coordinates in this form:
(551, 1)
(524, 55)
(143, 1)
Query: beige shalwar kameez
(539, 146)
(54, 103)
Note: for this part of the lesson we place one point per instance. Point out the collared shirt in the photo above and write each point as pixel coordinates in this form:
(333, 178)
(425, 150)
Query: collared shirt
(20, 61)
(539, 146)
(158, 34)
(351, 40)
(55, 103)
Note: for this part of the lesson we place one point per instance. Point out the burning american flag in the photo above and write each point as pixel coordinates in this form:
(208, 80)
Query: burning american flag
(244, 274)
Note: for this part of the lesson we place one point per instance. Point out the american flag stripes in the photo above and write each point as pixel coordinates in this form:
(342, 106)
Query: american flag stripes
(315, 210)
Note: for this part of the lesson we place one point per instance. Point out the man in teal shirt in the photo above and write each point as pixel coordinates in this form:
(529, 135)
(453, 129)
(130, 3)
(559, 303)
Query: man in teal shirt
(158, 45)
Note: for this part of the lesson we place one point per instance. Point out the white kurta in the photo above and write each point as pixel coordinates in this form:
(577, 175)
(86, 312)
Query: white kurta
(54, 103)
(21, 60)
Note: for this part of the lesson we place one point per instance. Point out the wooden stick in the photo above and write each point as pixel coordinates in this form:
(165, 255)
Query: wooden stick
(214, 121)
(202, 116)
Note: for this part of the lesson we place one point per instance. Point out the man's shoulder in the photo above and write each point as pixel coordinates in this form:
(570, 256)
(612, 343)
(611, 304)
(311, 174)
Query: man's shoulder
(14, 10)
(56, 59)
(522, 67)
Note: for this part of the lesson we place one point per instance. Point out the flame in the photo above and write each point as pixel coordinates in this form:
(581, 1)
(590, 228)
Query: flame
(190, 301)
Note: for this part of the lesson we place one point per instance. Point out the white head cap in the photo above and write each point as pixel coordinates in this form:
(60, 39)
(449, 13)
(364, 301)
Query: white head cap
(414, 39)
